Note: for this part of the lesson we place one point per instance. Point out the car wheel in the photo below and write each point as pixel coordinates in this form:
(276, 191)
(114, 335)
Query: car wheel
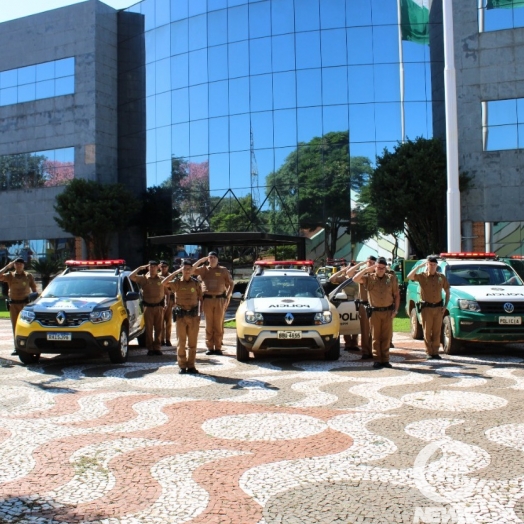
(242, 352)
(333, 353)
(415, 327)
(28, 358)
(118, 355)
(450, 344)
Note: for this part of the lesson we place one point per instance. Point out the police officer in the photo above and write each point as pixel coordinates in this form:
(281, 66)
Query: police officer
(188, 298)
(351, 290)
(384, 300)
(217, 290)
(153, 300)
(167, 320)
(20, 285)
(432, 283)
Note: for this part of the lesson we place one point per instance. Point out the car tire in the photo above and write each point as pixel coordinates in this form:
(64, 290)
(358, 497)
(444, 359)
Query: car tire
(141, 339)
(415, 330)
(242, 352)
(28, 358)
(333, 353)
(450, 345)
(118, 355)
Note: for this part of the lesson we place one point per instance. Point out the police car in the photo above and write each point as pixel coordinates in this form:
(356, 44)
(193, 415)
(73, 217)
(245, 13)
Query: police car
(347, 309)
(92, 306)
(285, 309)
(486, 302)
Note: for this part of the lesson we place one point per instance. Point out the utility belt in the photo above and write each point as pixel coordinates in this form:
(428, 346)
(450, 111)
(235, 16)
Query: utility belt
(359, 303)
(23, 301)
(181, 312)
(370, 309)
(421, 305)
(157, 304)
(223, 295)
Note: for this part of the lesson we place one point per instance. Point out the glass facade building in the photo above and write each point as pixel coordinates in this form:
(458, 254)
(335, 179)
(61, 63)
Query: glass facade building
(243, 97)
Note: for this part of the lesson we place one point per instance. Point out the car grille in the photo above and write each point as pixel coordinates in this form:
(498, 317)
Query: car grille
(59, 346)
(72, 319)
(278, 319)
(303, 343)
(497, 308)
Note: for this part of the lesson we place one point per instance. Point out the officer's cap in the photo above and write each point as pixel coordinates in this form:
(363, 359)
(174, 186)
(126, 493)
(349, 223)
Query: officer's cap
(212, 254)
(164, 263)
(372, 258)
(432, 258)
(382, 260)
(153, 262)
(187, 263)
(20, 259)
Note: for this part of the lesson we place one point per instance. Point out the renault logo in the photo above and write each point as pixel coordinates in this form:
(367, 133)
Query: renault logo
(61, 318)
(289, 318)
(509, 307)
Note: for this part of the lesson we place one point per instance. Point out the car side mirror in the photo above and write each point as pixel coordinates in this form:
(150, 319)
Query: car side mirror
(132, 295)
(32, 296)
(340, 296)
(237, 295)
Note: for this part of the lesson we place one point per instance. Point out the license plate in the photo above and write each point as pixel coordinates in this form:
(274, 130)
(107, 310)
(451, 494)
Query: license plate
(289, 334)
(510, 320)
(59, 336)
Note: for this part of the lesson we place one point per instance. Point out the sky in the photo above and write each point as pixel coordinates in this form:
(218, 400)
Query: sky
(10, 10)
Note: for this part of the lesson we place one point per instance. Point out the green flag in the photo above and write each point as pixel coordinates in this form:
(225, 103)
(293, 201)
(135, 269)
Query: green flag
(504, 4)
(414, 22)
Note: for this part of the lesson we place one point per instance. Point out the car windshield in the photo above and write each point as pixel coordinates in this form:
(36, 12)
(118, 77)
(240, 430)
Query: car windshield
(285, 286)
(82, 287)
(482, 275)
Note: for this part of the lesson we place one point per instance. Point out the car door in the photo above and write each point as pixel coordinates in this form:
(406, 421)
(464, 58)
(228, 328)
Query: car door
(132, 306)
(346, 308)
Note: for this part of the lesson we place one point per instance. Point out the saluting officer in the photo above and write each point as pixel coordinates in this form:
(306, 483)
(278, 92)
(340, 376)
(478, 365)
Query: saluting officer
(20, 285)
(217, 289)
(153, 300)
(384, 300)
(188, 296)
(432, 283)
(167, 320)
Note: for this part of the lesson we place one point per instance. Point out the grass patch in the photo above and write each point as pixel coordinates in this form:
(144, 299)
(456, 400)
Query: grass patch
(4, 314)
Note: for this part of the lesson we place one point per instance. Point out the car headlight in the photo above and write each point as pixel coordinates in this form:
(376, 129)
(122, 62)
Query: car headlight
(103, 315)
(469, 305)
(254, 318)
(323, 318)
(27, 315)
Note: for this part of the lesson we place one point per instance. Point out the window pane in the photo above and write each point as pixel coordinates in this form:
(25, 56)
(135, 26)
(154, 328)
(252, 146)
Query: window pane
(197, 32)
(309, 88)
(502, 137)
(358, 13)
(45, 71)
(198, 67)
(283, 53)
(198, 134)
(179, 9)
(218, 98)
(219, 171)
(217, 27)
(360, 45)
(179, 37)
(218, 135)
(65, 86)
(282, 17)
(261, 89)
(260, 56)
(8, 96)
(65, 67)
(26, 93)
(179, 71)
(198, 102)
(362, 122)
(384, 40)
(216, 4)
(180, 140)
(163, 75)
(308, 50)
(163, 42)
(387, 83)
(285, 122)
(197, 7)
(163, 143)
(8, 78)
(334, 47)
(217, 63)
(416, 121)
(307, 15)
(240, 173)
(238, 59)
(262, 126)
(335, 118)
(45, 89)
(239, 132)
(361, 83)
(502, 112)
(309, 123)
(151, 78)
(239, 95)
(180, 105)
(333, 14)
(384, 12)
(151, 146)
(26, 75)
(415, 82)
(284, 90)
(238, 24)
(334, 85)
(150, 112)
(259, 19)
(387, 122)
(163, 109)
(162, 12)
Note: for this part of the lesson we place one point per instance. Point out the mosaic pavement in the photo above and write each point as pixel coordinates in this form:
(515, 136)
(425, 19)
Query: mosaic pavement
(271, 441)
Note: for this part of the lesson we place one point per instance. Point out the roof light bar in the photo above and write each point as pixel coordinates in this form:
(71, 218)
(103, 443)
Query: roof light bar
(97, 263)
(468, 255)
(517, 257)
(272, 263)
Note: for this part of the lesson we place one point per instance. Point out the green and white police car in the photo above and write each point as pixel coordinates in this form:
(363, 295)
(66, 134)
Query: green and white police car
(486, 301)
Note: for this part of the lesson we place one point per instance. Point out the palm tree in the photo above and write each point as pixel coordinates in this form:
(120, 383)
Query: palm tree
(47, 267)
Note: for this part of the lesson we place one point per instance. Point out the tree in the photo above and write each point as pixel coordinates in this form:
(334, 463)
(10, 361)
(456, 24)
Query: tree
(95, 212)
(233, 214)
(313, 185)
(408, 191)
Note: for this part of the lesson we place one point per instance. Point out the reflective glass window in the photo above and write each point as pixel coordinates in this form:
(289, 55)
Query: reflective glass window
(179, 9)
(9, 78)
(197, 7)
(260, 56)
(282, 17)
(239, 129)
(285, 124)
(259, 19)
(361, 83)
(150, 112)
(26, 93)
(239, 171)
(502, 121)
(197, 32)
(45, 71)
(198, 137)
(238, 26)
(180, 139)
(198, 102)
(284, 90)
(64, 86)
(333, 46)
(163, 75)
(163, 143)
(219, 172)
(65, 67)
(309, 87)
(501, 112)
(27, 75)
(219, 135)
(265, 159)
(151, 174)
(179, 37)
(360, 45)
(383, 12)
(45, 89)
(151, 78)
(358, 13)
(217, 63)
(262, 127)
(233, 3)
(218, 98)
(307, 15)
(309, 123)
(162, 12)
(384, 50)
(283, 50)
(335, 118)
(496, 19)
(308, 49)
(198, 67)
(151, 146)
(332, 14)
(415, 82)
(163, 109)
(150, 46)
(387, 83)
(387, 121)
(239, 95)
(238, 59)
(148, 10)
(162, 36)
(212, 5)
(179, 71)
(416, 120)
(163, 171)
(362, 122)
(334, 85)
(180, 105)
(502, 137)
(217, 27)
(261, 89)
(8, 96)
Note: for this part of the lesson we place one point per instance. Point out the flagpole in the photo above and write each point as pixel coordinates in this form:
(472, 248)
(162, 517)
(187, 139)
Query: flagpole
(450, 86)
(401, 73)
